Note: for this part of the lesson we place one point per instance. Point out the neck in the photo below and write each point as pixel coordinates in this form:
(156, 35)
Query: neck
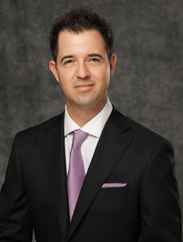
(82, 115)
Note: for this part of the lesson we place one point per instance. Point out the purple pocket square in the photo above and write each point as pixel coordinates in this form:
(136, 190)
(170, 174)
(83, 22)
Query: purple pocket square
(113, 185)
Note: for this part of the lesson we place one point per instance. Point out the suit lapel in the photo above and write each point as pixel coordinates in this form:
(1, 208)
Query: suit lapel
(53, 153)
(110, 148)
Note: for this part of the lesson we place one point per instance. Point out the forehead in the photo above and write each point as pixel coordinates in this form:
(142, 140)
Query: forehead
(86, 41)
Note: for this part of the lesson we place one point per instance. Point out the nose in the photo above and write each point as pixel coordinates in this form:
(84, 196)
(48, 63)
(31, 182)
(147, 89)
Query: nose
(82, 71)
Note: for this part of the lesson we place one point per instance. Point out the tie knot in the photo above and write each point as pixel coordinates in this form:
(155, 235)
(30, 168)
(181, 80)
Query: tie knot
(79, 137)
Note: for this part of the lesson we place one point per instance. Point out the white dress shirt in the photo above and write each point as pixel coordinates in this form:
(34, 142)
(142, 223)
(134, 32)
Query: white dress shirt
(94, 128)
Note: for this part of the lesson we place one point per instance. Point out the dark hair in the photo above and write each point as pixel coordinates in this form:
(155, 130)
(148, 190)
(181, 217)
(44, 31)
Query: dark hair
(78, 20)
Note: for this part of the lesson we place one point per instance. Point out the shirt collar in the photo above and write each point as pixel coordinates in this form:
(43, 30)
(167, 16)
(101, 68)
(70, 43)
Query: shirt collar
(94, 126)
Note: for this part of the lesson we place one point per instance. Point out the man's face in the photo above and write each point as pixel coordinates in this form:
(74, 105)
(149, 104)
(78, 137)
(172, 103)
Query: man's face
(83, 69)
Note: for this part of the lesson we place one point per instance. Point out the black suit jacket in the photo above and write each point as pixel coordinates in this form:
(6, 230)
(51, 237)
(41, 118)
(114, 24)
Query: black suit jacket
(34, 194)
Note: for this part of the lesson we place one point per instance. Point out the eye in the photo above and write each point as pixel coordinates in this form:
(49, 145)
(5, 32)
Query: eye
(68, 62)
(94, 59)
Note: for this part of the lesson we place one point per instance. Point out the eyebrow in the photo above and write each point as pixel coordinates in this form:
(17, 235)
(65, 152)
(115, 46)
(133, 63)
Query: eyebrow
(66, 57)
(90, 55)
(94, 55)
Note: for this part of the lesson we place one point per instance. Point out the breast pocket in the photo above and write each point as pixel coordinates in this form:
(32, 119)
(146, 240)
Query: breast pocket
(113, 192)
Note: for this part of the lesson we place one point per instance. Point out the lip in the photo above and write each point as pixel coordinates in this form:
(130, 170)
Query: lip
(84, 87)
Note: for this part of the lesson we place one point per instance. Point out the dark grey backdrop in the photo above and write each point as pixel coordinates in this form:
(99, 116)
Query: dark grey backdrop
(147, 85)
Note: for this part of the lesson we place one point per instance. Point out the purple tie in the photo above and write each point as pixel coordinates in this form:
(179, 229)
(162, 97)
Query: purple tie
(76, 173)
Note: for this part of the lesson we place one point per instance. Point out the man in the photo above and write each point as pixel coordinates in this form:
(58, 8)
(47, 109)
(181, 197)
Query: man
(129, 192)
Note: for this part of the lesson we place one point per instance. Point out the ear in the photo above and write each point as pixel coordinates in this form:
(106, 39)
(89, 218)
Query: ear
(52, 66)
(113, 60)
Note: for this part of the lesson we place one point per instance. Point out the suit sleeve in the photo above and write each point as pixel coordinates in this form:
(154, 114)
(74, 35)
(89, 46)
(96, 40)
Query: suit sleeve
(160, 210)
(15, 223)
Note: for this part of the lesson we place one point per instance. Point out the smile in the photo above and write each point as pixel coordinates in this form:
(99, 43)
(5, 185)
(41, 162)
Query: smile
(84, 87)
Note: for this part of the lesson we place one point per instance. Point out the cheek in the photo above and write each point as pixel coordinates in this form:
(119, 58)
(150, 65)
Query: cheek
(66, 78)
(102, 75)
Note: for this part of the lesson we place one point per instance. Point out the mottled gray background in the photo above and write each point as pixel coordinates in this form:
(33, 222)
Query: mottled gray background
(147, 85)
